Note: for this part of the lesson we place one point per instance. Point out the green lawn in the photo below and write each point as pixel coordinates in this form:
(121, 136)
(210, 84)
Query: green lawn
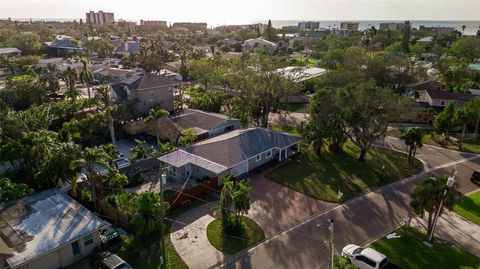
(233, 243)
(409, 252)
(469, 207)
(150, 257)
(434, 138)
(310, 62)
(323, 177)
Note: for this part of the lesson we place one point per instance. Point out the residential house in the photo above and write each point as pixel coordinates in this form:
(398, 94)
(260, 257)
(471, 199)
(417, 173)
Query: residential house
(251, 44)
(47, 230)
(145, 91)
(113, 74)
(129, 47)
(235, 153)
(301, 73)
(205, 124)
(62, 46)
(439, 99)
(10, 52)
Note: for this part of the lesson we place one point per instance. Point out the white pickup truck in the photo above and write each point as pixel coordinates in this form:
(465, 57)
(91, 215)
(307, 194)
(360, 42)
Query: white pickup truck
(367, 258)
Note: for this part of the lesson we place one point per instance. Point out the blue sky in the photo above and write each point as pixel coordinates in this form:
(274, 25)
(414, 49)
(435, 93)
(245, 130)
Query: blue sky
(217, 12)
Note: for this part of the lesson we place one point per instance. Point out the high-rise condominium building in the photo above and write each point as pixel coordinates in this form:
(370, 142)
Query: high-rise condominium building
(100, 17)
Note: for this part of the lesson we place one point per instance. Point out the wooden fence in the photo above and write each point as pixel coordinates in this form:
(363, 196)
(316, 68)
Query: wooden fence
(195, 192)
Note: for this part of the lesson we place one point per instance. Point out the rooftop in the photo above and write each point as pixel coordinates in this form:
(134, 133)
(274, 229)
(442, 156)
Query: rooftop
(302, 73)
(40, 223)
(191, 118)
(180, 158)
(9, 50)
(446, 95)
(239, 145)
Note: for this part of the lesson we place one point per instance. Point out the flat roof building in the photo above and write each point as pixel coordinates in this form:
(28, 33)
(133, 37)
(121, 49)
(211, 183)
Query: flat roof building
(100, 17)
(350, 26)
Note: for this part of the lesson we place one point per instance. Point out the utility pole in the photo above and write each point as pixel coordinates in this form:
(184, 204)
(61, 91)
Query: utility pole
(162, 218)
(330, 228)
(450, 182)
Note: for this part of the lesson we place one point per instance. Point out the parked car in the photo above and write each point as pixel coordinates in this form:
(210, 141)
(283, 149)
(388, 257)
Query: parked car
(475, 178)
(112, 261)
(367, 258)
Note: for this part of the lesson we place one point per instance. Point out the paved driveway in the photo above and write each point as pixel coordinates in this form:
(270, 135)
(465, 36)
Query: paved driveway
(189, 237)
(276, 208)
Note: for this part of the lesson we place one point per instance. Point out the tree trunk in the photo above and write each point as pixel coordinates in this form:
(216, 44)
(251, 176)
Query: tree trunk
(414, 153)
(429, 223)
(88, 91)
(410, 154)
(112, 130)
(363, 155)
(476, 127)
(460, 143)
(318, 148)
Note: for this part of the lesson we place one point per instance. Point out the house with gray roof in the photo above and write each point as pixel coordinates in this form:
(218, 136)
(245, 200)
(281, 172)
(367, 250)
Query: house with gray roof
(62, 46)
(145, 91)
(10, 52)
(47, 230)
(235, 153)
(205, 124)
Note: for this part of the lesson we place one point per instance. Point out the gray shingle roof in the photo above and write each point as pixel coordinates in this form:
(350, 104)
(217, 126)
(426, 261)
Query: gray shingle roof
(190, 118)
(234, 147)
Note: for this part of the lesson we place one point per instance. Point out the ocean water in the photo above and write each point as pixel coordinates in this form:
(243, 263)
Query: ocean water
(471, 26)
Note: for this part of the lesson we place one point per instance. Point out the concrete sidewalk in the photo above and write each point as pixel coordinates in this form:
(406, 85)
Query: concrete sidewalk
(454, 229)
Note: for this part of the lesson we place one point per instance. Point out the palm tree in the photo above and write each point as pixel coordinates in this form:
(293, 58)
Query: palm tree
(241, 199)
(412, 136)
(155, 116)
(105, 98)
(140, 151)
(94, 158)
(146, 217)
(226, 201)
(461, 117)
(427, 196)
(70, 76)
(50, 76)
(86, 77)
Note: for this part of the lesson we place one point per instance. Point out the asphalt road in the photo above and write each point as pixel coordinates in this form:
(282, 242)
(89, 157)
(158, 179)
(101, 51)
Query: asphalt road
(360, 220)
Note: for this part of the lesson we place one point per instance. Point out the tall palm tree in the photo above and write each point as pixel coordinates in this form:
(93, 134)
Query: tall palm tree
(50, 76)
(154, 116)
(86, 77)
(462, 117)
(104, 92)
(70, 77)
(412, 136)
(427, 196)
(146, 217)
(94, 158)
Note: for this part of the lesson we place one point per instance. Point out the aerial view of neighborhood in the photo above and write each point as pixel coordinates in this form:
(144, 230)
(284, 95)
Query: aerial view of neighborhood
(310, 134)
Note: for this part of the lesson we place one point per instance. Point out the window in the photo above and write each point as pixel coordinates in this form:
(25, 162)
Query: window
(258, 158)
(228, 128)
(151, 92)
(366, 261)
(442, 103)
(268, 154)
(75, 249)
(88, 240)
